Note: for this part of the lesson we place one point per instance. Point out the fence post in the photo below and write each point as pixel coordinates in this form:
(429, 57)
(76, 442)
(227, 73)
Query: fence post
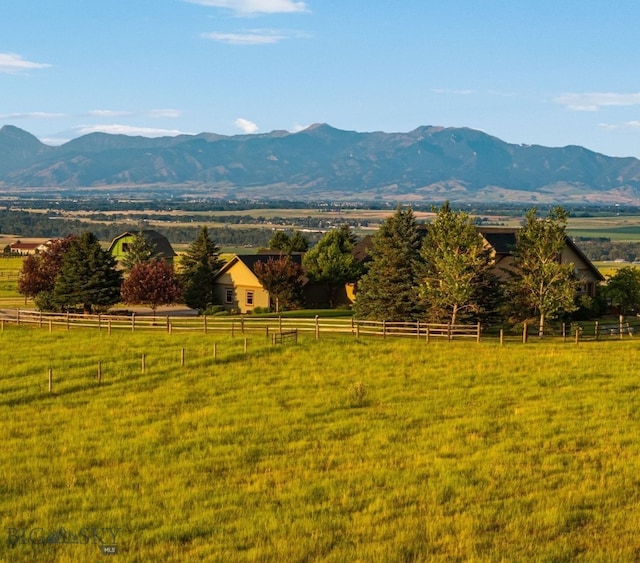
(215, 350)
(478, 340)
(182, 357)
(50, 380)
(143, 363)
(524, 333)
(564, 332)
(280, 323)
(595, 329)
(621, 319)
(133, 322)
(267, 331)
(418, 330)
(577, 334)
(318, 327)
(18, 317)
(109, 327)
(427, 335)
(502, 337)
(67, 320)
(449, 335)
(357, 331)
(205, 323)
(40, 320)
(384, 329)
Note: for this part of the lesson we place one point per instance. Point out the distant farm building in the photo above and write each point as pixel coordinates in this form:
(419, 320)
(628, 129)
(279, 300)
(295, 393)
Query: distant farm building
(162, 247)
(24, 248)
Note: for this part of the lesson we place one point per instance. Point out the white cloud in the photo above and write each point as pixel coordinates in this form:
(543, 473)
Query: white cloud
(249, 37)
(633, 125)
(32, 115)
(11, 63)
(246, 125)
(116, 129)
(108, 113)
(596, 100)
(254, 7)
(453, 92)
(168, 112)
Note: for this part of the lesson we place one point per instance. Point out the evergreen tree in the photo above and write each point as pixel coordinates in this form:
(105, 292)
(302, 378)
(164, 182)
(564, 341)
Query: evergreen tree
(151, 283)
(283, 279)
(541, 283)
(286, 244)
(140, 250)
(388, 290)
(456, 268)
(88, 276)
(199, 264)
(331, 262)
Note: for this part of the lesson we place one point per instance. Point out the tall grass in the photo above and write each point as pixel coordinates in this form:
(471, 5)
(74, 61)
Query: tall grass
(337, 450)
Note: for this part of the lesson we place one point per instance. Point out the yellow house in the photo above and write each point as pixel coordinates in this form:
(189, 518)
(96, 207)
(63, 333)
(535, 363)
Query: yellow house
(237, 287)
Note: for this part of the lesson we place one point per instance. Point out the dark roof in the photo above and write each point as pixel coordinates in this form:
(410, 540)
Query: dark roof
(249, 260)
(160, 243)
(502, 239)
(362, 249)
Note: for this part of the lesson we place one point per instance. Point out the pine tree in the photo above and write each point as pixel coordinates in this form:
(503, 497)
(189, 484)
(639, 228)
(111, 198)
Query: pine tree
(140, 250)
(457, 266)
(88, 276)
(198, 266)
(388, 290)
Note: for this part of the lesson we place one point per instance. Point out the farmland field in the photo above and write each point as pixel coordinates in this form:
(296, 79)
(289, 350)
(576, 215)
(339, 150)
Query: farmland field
(330, 450)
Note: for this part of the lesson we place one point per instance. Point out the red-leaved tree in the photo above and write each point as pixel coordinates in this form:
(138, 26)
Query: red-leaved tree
(153, 284)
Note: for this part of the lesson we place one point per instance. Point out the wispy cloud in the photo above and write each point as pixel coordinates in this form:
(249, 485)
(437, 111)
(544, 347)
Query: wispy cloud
(117, 129)
(32, 115)
(452, 92)
(255, 7)
(631, 125)
(596, 100)
(125, 113)
(11, 63)
(249, 37)
(246, 125)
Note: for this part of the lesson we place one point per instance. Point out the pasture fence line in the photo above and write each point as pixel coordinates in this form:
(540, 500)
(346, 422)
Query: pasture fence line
(273, 328)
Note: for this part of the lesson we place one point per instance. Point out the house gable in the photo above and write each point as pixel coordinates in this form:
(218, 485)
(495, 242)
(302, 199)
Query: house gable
(161, 245)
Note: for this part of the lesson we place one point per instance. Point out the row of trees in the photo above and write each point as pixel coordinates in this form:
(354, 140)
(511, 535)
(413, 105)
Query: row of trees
(448, 275)
(77, 272)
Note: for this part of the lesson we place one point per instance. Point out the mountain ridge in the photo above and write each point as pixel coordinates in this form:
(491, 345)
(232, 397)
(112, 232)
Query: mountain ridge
(321, 162)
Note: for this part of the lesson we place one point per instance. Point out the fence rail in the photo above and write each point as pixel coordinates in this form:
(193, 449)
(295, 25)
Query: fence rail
(242, 325)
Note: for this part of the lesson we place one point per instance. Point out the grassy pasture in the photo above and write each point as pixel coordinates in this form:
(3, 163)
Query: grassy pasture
(331, 450)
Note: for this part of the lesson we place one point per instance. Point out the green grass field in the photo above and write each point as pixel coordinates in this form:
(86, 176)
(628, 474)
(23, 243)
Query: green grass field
(330, 450)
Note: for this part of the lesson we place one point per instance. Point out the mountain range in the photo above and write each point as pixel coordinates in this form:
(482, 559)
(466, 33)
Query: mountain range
(319, 163)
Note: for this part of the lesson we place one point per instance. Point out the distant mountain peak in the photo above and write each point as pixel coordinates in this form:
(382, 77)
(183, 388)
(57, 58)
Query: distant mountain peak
(428, 164)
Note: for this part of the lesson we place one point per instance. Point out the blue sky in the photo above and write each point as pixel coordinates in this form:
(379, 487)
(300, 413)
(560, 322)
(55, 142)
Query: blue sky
(549, 72)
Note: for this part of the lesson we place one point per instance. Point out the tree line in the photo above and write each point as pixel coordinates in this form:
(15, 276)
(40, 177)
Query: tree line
(442, 271)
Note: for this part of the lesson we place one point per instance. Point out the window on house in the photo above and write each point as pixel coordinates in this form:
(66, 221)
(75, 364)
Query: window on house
(125, 247)
(228, 296)
(250, 298)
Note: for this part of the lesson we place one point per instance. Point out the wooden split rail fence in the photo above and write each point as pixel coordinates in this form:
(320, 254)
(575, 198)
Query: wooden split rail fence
(270, 326)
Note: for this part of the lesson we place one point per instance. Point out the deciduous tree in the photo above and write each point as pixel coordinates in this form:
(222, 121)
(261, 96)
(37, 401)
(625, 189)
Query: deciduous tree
(387, 291)
(623, 289)
(39, 272)
(331, 262)
(283, 279)
(541, 282)
(151, 283)
(456, 268)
